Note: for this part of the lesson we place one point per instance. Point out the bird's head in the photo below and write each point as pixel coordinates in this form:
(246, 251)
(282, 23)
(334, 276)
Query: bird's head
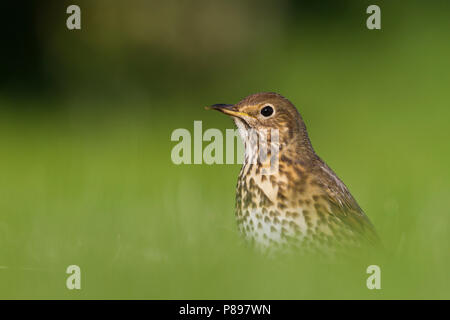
(267, 110)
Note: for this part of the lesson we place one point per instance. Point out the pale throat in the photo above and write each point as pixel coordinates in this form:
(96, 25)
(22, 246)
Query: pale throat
(262, 168)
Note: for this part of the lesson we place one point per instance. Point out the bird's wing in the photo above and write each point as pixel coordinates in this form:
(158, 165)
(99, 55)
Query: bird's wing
(344, 207)
(348, 211)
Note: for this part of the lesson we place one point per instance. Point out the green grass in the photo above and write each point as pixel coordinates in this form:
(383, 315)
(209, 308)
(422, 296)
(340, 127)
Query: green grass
(98, 188)
(107, 198)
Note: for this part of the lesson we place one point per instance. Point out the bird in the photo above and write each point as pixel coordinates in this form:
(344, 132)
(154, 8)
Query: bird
(302, 205)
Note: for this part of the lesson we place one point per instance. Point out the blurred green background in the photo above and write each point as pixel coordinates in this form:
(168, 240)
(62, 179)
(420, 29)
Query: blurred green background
(86, 117)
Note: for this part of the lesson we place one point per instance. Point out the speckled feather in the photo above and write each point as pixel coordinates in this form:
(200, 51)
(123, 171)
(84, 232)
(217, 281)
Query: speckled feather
(304, 205)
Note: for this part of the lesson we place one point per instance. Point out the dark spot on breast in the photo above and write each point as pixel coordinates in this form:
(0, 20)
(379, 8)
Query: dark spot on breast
(286, 159)
(273, 213)
(281, 197)
(273, 180)
(308, 223)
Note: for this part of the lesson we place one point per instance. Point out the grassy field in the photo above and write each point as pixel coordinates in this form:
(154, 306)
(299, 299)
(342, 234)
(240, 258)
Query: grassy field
(96, 186)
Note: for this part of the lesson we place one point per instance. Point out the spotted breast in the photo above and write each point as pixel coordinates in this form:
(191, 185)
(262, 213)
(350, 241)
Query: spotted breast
(300, 205)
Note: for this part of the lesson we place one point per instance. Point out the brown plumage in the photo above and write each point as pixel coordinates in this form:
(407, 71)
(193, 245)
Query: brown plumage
(303, 204)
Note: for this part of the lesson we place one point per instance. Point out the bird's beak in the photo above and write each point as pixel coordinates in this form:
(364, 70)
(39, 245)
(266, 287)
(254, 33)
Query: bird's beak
(228, 109)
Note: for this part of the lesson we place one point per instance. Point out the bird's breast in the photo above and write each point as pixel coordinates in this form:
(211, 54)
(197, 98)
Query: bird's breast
(262, 215)
(272, 212)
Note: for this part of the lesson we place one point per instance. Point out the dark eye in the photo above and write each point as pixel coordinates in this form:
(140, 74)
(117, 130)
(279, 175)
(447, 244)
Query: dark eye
(267, 111)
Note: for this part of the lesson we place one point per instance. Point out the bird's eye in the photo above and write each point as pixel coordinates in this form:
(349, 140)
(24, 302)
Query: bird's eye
(267, 111)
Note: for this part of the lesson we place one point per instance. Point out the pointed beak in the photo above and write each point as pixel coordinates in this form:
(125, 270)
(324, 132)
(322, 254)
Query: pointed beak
(228, 109)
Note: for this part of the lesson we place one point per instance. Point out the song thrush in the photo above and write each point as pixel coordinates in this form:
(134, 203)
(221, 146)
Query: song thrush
(303, 204)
